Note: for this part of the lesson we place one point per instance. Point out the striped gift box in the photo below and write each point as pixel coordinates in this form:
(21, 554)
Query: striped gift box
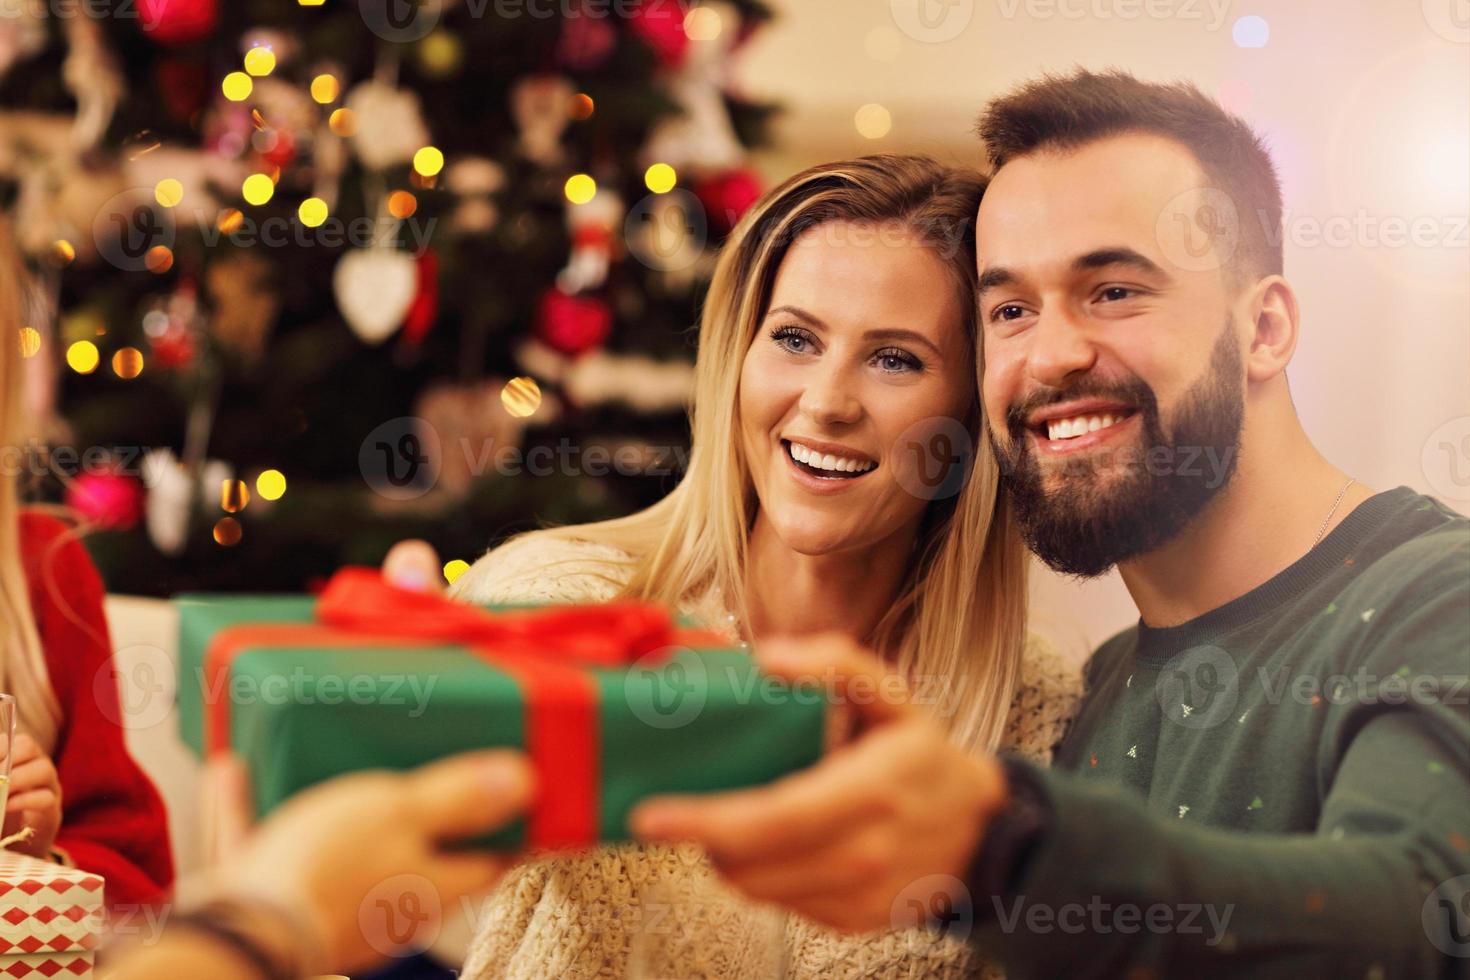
(50, 918)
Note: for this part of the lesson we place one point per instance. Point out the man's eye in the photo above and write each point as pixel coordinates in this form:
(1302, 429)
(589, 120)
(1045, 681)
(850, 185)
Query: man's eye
(1115, 293)
(1008, 312)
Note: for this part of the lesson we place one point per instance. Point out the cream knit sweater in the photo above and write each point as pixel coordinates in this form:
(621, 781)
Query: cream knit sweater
(579, 916)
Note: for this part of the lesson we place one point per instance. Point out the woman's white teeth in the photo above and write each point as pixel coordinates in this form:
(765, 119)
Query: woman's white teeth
(826, 461)
(1079, 425)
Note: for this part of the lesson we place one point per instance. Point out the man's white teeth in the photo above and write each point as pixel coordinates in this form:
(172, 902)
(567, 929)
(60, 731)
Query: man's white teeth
(1079, 425)
(826, 461)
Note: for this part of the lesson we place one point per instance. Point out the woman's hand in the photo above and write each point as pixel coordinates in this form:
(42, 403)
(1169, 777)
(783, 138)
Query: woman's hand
(35, 798)
(868, 838)
(360, 861)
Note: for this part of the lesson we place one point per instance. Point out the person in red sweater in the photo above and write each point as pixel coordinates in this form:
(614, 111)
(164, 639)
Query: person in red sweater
(72, 780)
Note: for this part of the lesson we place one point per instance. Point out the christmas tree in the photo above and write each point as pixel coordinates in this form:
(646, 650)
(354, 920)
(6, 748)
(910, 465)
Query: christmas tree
(308, 278)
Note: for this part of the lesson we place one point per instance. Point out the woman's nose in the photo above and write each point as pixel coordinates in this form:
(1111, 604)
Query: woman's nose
(830, 397)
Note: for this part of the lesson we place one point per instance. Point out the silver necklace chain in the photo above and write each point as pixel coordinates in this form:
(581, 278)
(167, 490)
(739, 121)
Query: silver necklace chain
(1328, 519)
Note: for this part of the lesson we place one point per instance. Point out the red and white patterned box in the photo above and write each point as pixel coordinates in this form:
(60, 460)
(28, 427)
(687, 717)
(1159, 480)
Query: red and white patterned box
(50, 918)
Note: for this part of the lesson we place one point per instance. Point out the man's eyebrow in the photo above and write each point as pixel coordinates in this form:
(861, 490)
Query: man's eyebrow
(992, 277)
(1119, 255)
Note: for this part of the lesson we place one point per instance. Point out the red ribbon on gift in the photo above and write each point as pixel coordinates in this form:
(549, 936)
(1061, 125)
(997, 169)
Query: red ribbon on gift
(547, 651)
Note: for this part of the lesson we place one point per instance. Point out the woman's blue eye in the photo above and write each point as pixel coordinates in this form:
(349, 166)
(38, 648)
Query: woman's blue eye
(791, 339)
(895, 360)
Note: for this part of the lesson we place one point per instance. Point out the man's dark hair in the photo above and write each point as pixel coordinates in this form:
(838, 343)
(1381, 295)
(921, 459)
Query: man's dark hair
(1064, 112)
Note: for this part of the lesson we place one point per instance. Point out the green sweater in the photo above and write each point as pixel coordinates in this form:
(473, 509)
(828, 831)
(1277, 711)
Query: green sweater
(1277, 788)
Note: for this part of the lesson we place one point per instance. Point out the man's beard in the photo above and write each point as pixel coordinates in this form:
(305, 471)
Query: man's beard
(1153, 490)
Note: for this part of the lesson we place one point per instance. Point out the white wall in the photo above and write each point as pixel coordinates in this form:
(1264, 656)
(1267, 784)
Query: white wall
(1367, 106)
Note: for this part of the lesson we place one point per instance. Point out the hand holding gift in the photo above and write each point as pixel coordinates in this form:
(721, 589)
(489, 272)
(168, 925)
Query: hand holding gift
(846, 842)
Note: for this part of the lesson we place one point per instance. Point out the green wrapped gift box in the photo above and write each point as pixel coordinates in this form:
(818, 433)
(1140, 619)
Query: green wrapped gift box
(612, 703)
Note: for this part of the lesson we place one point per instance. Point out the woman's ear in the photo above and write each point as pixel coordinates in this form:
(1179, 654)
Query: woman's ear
(1272, 306)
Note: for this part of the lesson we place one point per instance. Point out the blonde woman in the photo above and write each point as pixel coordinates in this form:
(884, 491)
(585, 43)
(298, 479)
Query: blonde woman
(72, 781)
(838, 334)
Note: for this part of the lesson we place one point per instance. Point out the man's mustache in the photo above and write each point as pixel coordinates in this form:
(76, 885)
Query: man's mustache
(1134, 393)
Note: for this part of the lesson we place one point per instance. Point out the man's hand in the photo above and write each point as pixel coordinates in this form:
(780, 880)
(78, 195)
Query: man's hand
(842, 841)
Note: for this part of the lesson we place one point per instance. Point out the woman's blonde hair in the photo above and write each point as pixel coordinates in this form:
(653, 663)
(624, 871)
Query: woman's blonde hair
(22, 662)
(958, 625)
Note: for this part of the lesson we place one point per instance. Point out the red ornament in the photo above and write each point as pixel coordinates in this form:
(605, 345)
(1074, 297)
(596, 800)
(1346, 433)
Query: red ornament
(586, 41)
(661, 26)
(282, 150)
(111, 500)
(183, 86)
(425, 307)
(572, 325)
(174, 22)
(727, 196)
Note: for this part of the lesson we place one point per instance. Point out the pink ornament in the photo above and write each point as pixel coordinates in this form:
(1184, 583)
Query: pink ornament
(572, 325)
(111, 500)
(661, 26)
(174, 22)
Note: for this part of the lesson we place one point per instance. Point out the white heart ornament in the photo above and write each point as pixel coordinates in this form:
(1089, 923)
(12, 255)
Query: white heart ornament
(374, 289)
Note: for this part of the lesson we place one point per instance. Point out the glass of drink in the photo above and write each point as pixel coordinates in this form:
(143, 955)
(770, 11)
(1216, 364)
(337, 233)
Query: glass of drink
(7, 739)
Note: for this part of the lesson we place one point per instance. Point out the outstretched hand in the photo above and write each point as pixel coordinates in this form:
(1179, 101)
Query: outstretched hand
(841, 842)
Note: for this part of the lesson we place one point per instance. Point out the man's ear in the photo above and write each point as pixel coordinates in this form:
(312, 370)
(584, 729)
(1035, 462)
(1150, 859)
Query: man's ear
(1271, 304)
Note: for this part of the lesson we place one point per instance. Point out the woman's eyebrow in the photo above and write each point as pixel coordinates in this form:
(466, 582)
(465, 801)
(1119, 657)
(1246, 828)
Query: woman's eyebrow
(797, 312)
